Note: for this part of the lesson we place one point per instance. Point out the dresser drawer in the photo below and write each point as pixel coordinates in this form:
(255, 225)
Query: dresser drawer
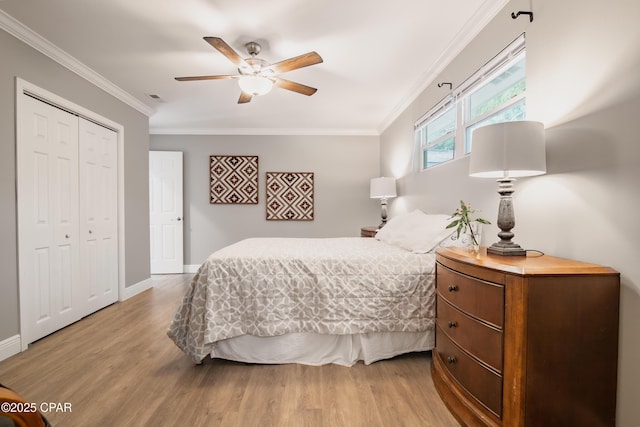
(478, 298)
(481, 382)
(477, 338)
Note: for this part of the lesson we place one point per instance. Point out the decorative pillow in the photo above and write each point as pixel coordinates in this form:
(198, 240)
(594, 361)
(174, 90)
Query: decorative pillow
(415, 231)
(399, 225)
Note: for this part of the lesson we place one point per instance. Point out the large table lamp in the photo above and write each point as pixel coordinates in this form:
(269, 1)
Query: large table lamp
(383, 188)
(507, 151)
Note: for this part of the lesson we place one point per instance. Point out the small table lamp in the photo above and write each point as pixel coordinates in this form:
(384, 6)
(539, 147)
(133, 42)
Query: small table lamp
(506, 151)
(383, 188)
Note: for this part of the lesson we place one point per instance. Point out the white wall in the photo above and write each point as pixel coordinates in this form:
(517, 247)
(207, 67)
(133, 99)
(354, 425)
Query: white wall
(583, 82)
(342, 167)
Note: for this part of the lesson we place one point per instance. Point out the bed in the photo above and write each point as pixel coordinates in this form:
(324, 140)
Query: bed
(315, 301)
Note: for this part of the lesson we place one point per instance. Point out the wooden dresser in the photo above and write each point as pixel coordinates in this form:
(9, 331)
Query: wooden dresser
(526, 341)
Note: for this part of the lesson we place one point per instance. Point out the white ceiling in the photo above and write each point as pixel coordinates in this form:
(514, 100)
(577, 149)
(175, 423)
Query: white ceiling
(378, 54)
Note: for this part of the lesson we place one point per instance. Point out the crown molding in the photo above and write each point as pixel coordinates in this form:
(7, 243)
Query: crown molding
(265, 131)
(478, 21)
(42, 45)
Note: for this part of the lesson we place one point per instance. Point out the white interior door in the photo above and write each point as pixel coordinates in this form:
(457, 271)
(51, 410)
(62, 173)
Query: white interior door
(47, 174)
(165, 206)
(98, 163)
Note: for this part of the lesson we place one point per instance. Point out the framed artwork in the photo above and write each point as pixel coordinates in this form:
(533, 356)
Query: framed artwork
(233, 180)
(290, 196)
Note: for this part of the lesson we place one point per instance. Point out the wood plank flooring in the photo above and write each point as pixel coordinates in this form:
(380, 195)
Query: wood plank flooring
(117, 367)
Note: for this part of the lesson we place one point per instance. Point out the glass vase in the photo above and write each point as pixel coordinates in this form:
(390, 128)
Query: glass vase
(473, 245)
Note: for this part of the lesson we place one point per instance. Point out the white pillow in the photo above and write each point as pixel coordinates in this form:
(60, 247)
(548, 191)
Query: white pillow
(415, 231)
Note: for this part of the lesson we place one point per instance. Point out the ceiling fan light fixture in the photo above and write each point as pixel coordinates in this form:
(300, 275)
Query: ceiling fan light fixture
(255, 85)
(256, 76)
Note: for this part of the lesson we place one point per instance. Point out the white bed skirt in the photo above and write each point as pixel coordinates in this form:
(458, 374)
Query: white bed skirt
(318, 349)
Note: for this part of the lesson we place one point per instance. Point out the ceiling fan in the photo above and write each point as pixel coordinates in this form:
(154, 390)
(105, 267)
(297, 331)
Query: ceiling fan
(256, 76)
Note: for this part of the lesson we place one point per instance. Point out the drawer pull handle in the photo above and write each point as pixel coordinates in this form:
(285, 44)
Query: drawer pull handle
(452, 324)
(451, 359)
(453, 288)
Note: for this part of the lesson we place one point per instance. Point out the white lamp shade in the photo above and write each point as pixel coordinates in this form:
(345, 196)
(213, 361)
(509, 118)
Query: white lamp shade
(255, 85)
(382, 188)
(511, 149)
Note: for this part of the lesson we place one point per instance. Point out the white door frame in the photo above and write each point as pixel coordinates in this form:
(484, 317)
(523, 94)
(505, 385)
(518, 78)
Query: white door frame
(24, 87)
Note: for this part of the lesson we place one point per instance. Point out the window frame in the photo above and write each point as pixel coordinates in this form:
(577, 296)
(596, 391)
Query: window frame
(459, 98)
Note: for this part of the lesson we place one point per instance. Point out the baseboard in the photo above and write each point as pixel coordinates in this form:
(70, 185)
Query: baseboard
(134, 290)
(9, 347)
(193, 268)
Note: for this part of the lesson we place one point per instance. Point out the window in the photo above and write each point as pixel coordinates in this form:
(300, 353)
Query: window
(500, 99)
(437, 137)
(493, 94)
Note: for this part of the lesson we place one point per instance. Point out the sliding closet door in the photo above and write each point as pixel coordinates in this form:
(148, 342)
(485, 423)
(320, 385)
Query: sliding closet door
(47, 171)
(98, 162)
(67, 176)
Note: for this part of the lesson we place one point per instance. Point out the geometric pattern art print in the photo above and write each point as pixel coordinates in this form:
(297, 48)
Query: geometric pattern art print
(290, 196)
(233, 180)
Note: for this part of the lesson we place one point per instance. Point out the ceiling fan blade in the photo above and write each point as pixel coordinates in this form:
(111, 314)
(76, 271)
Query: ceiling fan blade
(193, 78)
(290, 64)
(244, 98)
(295, 87)
(226, 50)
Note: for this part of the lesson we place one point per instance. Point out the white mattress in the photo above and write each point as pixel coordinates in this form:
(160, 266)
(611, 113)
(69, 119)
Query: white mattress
(310, 348)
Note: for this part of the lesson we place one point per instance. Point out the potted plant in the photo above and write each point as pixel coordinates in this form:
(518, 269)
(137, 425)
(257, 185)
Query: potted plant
(465, 223)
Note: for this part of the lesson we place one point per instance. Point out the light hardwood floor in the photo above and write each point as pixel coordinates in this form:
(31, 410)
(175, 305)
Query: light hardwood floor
(117, 367)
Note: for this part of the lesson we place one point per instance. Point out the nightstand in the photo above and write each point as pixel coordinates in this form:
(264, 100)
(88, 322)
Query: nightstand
(525, 341)
(369, 231)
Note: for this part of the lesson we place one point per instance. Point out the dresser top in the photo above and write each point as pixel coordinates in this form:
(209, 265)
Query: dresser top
(530, 265)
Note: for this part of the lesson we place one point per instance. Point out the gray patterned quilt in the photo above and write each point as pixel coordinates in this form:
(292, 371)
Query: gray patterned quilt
(275, 286)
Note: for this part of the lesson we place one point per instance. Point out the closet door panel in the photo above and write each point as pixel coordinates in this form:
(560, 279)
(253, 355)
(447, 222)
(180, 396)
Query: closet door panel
(98, 214)
(47, 173)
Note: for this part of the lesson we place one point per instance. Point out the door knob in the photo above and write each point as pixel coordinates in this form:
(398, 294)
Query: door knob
(66, 236)
(179, 219)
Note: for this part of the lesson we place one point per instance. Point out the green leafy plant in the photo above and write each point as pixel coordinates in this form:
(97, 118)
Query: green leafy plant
(462, 219)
